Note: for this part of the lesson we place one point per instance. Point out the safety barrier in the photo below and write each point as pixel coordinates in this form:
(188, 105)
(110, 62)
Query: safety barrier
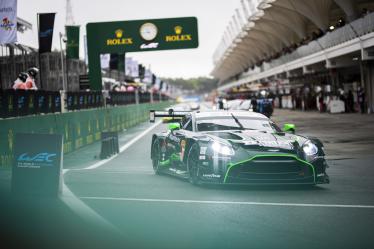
(21, 102)
(14, 103)
(79, 128)
(84, 100)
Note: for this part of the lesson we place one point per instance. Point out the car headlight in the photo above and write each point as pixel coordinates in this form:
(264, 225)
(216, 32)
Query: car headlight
(222, 149)
(310, 149)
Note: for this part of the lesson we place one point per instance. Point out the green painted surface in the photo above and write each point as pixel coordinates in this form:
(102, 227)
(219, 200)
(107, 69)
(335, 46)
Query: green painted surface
(79, 128)
(289, 127)
(272, 155)
(173, 158)
(174, 126)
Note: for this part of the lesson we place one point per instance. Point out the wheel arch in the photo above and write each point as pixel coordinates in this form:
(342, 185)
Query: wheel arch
(156, 137)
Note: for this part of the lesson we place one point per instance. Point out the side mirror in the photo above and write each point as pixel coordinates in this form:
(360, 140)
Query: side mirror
(152, 116)
(174, 126)
(291, 128)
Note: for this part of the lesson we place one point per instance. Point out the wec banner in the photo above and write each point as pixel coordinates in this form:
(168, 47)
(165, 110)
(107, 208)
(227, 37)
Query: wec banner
(46, 23)
(8, 19)
(37, 164)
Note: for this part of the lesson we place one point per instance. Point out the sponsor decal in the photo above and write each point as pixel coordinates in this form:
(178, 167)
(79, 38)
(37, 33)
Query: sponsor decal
(6, 24)
(177, 171)
(26, 160)
(280, 144)
(119, 39)
(178, 37)
(46, 33)
(149, 45)
(250, 142)
(183, 145)
(216, 157)
(211, 175)
(203, 150)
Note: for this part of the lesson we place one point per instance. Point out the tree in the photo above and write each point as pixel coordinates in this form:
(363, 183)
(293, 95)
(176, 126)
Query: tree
(199, 85)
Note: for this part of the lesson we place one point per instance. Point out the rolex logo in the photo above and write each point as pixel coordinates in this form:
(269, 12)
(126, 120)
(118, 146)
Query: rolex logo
(178, 30)
(119, 33)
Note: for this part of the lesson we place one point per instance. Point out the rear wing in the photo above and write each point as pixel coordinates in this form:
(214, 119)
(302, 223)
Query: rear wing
(167, 114)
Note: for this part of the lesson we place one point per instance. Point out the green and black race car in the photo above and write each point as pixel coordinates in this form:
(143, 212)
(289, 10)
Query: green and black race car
(236, 147)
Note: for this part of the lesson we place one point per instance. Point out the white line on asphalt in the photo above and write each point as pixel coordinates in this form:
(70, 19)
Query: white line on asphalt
(229, 202)
(124, 147)
(139, 172)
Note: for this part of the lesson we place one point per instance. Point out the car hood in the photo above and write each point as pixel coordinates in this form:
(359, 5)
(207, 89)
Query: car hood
(258, 140)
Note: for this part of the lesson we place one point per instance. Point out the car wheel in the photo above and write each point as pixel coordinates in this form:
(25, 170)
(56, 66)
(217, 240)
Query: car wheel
(156, 157)
(193, 165)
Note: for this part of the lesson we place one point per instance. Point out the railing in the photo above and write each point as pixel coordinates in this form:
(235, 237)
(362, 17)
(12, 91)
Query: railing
(21, 102)
(15, 103)
(84, 100)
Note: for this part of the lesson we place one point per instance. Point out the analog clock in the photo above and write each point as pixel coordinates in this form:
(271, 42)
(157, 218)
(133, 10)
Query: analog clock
(148, 31)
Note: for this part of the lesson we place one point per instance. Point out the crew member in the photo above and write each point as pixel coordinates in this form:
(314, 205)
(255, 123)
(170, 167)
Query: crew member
(220, 103)
(30, 82)
(19, 83)
(361, 99)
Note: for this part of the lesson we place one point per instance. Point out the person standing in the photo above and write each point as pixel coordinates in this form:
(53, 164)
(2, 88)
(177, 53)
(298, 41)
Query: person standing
(19, 83)
(361, 99)
(220, 103)
(30, 82)
(350, 101)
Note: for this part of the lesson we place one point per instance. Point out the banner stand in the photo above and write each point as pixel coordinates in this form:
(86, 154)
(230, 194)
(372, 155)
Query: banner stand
(37, 165)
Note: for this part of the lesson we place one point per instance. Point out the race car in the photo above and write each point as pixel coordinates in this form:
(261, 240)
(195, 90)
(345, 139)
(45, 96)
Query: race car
(236, 147)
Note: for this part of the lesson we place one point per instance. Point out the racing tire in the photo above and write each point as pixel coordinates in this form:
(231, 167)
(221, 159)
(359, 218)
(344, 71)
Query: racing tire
(193, 165)
(156, 157)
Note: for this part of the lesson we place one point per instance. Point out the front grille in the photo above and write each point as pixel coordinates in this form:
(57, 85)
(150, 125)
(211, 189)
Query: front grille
(271, 169)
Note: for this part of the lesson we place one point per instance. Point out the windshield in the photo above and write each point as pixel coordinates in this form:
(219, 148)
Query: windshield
(228, 123)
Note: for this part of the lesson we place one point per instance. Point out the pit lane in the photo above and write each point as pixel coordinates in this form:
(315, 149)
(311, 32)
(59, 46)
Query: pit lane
(164, 212)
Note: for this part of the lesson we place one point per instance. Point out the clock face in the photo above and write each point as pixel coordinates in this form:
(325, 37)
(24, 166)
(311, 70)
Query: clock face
(148, 31)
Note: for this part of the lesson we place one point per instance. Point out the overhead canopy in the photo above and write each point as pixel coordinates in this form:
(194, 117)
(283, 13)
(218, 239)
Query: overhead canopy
(23, 25)
(273, 27)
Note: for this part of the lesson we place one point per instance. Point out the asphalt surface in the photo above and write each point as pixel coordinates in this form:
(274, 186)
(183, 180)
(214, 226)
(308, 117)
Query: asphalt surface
(153, 211)
(123, 204)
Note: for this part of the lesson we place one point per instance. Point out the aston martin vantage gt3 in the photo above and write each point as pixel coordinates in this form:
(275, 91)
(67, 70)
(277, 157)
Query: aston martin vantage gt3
(236, 147)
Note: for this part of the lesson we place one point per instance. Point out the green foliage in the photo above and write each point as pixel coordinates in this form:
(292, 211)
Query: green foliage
(198, 85)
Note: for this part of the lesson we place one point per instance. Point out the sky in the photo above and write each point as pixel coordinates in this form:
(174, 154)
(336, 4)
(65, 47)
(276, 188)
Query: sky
(213, 17)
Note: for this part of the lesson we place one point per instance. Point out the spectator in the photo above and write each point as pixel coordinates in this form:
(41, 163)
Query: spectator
(343, 98)
(350, 102)
(30, 82)
(320, 102)
(361, 99)
(220, 103)
(19, 83)
(254, 103)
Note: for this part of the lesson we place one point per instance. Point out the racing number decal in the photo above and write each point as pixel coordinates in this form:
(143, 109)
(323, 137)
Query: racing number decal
(183, 145)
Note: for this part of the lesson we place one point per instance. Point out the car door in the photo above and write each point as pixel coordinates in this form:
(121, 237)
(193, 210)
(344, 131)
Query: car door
(176, 141)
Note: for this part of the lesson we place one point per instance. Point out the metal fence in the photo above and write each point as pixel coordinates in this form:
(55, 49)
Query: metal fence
(14, 103)
(21, 102)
